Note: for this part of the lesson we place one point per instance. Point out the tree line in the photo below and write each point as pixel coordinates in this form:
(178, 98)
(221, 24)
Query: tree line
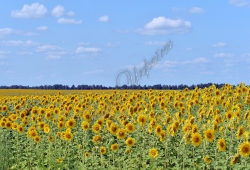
(99, 87)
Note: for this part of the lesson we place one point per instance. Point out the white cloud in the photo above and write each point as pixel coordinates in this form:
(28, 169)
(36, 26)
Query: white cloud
(2, 56)
(239, 3)
(224, 55)
(70, 13)
(83, 43)
(19, 43)
(162, 25)
(93, 72)
(58, 11)
(30, 11)
(48, 48)
(24, 53)
(196, 10)
(7, 31)
(219, 44)
(175, 9)
(42, 28)
(112, 45)
(104, 18)
(68, 21)
(53, 57)
(4, 52)
(82, 50)
(154, 43)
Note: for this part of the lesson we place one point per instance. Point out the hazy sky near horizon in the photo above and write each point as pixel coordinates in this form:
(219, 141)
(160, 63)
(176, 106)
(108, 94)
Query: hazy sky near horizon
(60, 42)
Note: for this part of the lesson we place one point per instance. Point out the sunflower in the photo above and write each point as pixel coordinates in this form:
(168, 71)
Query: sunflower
(121, 133)
(162, 135)
(37, 139)
(141, 119)
(100, 121)
(240, 132)
(13, 117)
(194, 128)
(68, 136)
(87, 154)
(71, 123)
(196, 139)
(85, 125)
(158, 130)
(153, 153)
(14, 126)
(130, 142)
(20, 129)
(209, 135)
(102, 150)
(229, 115)
(114, 147)
(130, 127)
(96, 138)
(8, 124)
(244, 149)
(235, 159)
(60, 124)
(96, 128)
(46, 129)
(41, 125)
(60, 160)
(127, 150)
(207, 159)
(51, 138)
(113, 128)
(152, 123)
(221, 144)
(87, 116)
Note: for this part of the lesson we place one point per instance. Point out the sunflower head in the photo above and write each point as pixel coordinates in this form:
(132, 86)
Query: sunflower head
(221, 145)
(153, 153)
(244, 149)
(130, 142)
(196, 139)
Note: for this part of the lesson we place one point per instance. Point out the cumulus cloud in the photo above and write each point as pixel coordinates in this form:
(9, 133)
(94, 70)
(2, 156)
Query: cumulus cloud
(19, 43)
(239, 3)
(162, 25)
(8, 31)
(196, 10)
(42, 28)
(223, 55)
(68, 21)
(58, 11)
(104, 18)
(4, 52)
(87, 50)
(48, 48)
(219, 44)
(70, 13)
(34, 10)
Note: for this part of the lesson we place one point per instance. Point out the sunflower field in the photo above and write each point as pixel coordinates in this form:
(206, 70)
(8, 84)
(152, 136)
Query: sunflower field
(126, 129)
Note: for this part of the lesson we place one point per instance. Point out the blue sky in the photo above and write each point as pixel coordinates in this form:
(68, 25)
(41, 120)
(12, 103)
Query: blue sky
(59, 42)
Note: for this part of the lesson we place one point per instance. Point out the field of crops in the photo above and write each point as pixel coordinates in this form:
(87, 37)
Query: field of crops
(124, 129)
